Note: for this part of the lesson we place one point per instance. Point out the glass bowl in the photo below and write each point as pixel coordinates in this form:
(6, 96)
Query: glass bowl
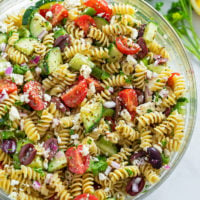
(179, 62)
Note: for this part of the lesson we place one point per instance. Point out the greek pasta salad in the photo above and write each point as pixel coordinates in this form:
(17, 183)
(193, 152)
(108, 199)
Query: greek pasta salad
(89, 107)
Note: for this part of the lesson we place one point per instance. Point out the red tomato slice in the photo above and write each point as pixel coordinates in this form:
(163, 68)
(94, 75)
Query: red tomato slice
(84, 22)
(170, 81)
(8, 86)
(1, 165)
(77, 163)
(43, 12)
(101, 7)
(86, 196)
(97, 84)
(75, 95)
(125, 48)
(112, 123)
(34, 89)
(129, 99)
(59, 13)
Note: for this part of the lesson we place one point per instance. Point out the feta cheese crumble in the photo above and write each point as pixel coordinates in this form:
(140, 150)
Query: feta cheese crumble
(47, 97)
(18, 78)
(85, 71)
(14, 114)
(3, 27)
(131, 60)
(49, 14)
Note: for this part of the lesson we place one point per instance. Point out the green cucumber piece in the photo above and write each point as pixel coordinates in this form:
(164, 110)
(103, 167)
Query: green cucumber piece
(100, 22)
(91, 114)
(58, 163)
(36, 163)
(145, 61)
(23, 32)
(3, 38)
(106, 147)
(111, 198)
(150, 32)
(59, 32)
(26, 45)
(20, 134)
(7, 135)
(158, 69)
(53, 59)
(89, 11)
(78, 60)
(17, 69)
(108, 112)
(45, 69)
(45, 4)
(28, 15)
(99, 73)
(39, 24)
(114, 53)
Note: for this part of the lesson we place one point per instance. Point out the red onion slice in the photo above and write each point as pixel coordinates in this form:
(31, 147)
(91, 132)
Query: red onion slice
(42, 34)
(8, 70)
(35, 60)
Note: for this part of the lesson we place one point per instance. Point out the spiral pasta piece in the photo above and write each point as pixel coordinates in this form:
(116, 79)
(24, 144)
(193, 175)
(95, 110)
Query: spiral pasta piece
(88, 181)
(123, 173)
(14, 37)
(73, 30)
(31, 130)
(30, 174)
(139, 76)
(16, 56)
(122, 9)
(25, 196)
(28, 76)
(115, 81)
(65, 139)
(111, 68)
(66, 122)
(127, 20)
(5, 184)
(98, 35)
(93, 149)
(5, 158)
(128, 69)
(179, 129)
(99, 53)
(48, 41)
(179, 85)
(150, 118)
(116, 29)
(170, 100)
(40, 49)
(146, 139)
(76, 186)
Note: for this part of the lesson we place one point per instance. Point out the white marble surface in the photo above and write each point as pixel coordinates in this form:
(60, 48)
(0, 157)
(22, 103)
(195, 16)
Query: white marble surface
(184, 182)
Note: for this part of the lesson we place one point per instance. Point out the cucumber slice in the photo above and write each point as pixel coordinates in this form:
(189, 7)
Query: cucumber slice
(114, 53)
(158, 69)
(45, 4)
(99, 73)
(89, 11)
(106, 147)
(150, 32)
(53, 59)
(23, 32)
(7, 135)
(91, 114)
(36, 163)
(39, 24)
(26, 45)
(28, 15)
(100, 22)
(3, 38)
(58, 163)
(78, 60)
(108, 112)
(111, 198)
(59, 32)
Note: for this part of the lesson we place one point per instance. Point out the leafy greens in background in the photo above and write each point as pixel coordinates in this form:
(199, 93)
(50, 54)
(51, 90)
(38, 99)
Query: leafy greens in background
(180, 17)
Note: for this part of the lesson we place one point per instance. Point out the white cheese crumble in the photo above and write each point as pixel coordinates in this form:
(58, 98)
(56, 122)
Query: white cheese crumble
(111, 89)
(55, 122)
(134, 33)
(107, 189)
(3, 95)
(85, 150)
(125, 115)
(149, 74)
(85, 71)
(59, 140)
(18, 78)
(47, 97)
(102, 177)
(91, 90)
(45, 163)
(145, 108)
(25, 98)
(14, 182)
(49, 14)
(76, 121)
(72, 3)
(74, 136)
(13, 195)
(4, 55)
(14, 114)
(38, 70)
(131, 60)
(164, 93)
(3, 27)
(108, 170)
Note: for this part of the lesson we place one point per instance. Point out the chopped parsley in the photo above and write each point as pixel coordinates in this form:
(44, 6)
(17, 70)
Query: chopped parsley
(39, 170)
(89, 141)
(164, 143)
(149, 111)
(71, 132)
(19, 103)
(129, 172)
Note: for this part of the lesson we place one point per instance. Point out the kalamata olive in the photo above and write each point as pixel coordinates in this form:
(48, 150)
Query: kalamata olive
(117, 107)
(137, 155)
(155, 158)
(62, 41)
(168, 111)
(52, 146)
(97, 186)
(59, 105)
(27, 154)
(135, 185)
(143, 46)
(141, 30)
(9, 146)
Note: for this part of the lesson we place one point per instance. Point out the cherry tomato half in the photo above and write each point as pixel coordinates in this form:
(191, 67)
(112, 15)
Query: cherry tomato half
(86, 197)
(101, 7)
(84, 22)
(8, 86)
(170, 81)
(77, 163)
(75, 95)
(125, 48)
(34, 89)
(43, 12)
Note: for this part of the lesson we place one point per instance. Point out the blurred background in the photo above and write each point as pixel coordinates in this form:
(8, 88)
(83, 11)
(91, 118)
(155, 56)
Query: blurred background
(184, 182)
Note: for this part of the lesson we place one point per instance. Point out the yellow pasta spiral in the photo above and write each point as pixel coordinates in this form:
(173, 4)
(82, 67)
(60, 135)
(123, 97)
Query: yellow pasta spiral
(76, 185)
(88, 181)
(65, 139)
(146, 139)
(5, 184)
(48, 41)
(115, 81)
(73, 30)
(105, 183)
(179, 129)
(16, 56)
(150, 118)
(14, 37)
(122, 9)
(30, 174)
(123, 173)
(100, 194)
(25, 196)
(161, 80)
(111, 68)
(139, 76)
(128, 68)
(99, 53)
(170, 100)
(5, 158)
(149, 173)
(127, 20)
(30, 130)
(28, 76)
(93, 149)
(179, 85)
(105, 95)
(98, 35)
(40, 49)
(116, 29)
(66, 122)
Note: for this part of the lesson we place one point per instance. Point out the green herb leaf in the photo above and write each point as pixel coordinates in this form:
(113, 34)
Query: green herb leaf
(165, 159)
(71, 132)
(149, 111)
(17, 69)
(39, 170)
(164, 143)
(129, 172)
